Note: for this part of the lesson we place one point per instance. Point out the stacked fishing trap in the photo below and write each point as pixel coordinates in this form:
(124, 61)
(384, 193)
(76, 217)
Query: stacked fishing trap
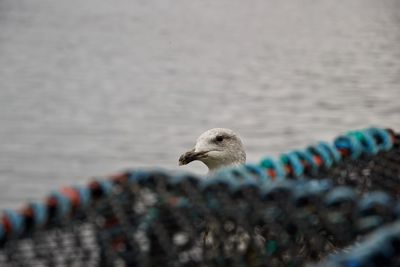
(331, 204)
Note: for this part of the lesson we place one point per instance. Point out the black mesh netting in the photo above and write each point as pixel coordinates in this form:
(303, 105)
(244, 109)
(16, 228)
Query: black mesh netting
(161, 219)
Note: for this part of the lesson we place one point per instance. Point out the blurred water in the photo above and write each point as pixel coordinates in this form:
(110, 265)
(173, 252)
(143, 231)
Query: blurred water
(92, 87)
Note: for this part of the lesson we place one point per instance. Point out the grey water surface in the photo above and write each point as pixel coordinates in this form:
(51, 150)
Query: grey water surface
(92, 87)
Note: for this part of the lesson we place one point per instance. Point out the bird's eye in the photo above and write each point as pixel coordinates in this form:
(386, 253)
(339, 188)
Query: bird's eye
(219, 138)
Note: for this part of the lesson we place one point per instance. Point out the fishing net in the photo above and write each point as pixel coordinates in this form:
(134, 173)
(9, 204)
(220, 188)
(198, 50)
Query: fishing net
(329, 205)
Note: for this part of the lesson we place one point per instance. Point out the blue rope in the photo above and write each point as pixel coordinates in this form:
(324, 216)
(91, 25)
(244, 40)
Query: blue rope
(64, 205)
(39, 214)
(270, 163)
(16, 221)
(375, 199)
(349, 143)
(383, 138)
(333, 152)
(340, 195)
(292, 158)
(324, 153)
(84, 196)
(257, 171)
(307, 156)
(366, 140)
(106, 186)
(245, 176)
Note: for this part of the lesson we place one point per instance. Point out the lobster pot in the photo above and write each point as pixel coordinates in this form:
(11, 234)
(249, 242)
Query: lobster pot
(330, 204)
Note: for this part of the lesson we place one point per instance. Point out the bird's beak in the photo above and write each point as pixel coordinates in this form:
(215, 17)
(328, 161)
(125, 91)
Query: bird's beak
(191, 156)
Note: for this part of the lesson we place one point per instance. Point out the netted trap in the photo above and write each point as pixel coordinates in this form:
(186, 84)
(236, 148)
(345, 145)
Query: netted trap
(331, 204)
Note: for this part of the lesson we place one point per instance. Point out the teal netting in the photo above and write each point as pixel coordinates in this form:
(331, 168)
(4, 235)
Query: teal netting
(312, 206)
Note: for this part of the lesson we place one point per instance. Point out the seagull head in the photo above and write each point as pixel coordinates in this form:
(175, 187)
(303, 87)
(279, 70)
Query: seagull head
(216, 148)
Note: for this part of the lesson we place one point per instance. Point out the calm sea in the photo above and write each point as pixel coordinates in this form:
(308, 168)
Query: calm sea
(88, 88)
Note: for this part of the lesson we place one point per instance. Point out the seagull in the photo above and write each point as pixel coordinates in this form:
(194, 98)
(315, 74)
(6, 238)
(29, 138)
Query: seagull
(216, 148)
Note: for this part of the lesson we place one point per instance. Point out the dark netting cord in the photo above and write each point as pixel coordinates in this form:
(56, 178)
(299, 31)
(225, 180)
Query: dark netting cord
(310, 205)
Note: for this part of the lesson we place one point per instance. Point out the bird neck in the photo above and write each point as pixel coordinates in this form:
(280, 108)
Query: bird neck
(215, 166)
